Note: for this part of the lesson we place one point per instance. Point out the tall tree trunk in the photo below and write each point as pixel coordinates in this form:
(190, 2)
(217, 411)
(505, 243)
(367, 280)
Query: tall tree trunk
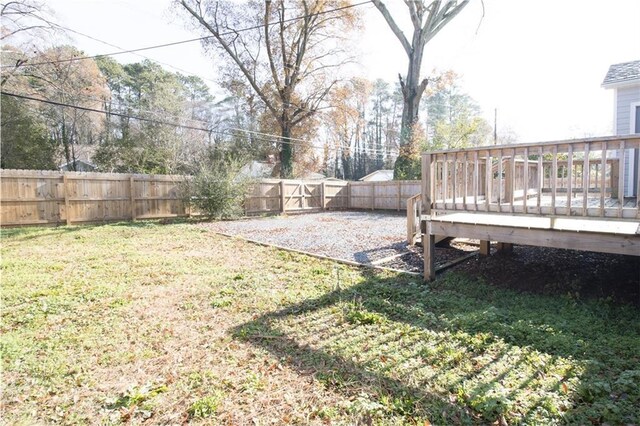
(286, 153)
(427, 18)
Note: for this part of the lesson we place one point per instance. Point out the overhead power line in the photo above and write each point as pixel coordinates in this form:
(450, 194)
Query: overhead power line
(106, 43)
(101, 111)
(176, 43)
(262, 137)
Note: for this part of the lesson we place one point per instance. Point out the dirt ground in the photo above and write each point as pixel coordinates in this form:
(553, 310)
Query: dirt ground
(557, 271)
(543, 270)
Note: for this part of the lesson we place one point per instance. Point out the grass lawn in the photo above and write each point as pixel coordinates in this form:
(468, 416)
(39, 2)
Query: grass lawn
(143, 322)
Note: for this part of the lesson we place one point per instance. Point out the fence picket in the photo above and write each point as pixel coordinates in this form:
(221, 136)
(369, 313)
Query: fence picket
(50, 197)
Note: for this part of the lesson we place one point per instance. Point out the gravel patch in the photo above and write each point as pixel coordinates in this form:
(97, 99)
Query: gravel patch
(363, 237)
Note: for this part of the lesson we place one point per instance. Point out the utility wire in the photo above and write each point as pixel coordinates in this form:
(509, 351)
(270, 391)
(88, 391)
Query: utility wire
(176, 43)
(137, 54)
(255, 135)
(101, 111)
(263, 137)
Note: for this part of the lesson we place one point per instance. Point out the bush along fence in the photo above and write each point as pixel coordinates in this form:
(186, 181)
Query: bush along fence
(33, 197)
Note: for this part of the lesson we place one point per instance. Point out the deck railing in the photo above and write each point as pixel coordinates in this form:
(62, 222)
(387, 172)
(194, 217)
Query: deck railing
(582, 177)
(414, 214)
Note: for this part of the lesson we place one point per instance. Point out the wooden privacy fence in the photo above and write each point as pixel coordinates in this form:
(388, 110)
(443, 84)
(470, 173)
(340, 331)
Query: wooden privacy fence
(282, 196)
(29, 197)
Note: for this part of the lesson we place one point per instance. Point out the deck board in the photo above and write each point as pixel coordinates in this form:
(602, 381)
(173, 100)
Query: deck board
(620, 227)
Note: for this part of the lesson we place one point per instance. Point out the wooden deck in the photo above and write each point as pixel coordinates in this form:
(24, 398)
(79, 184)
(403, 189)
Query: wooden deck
(575, 197)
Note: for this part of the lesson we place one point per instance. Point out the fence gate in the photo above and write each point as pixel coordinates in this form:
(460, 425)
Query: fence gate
(300, 196)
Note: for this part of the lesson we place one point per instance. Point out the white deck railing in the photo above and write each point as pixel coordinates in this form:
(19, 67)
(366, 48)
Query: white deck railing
(584, 177)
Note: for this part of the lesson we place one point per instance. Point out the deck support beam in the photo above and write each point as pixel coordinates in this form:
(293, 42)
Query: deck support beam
(572, 240)
(429, 246)
(505, 248)
(485, 247)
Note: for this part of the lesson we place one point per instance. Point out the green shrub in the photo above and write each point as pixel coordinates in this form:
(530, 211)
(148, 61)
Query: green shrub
(217, 190)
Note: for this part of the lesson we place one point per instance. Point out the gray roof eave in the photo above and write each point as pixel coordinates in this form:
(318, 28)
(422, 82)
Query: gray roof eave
(621, 83)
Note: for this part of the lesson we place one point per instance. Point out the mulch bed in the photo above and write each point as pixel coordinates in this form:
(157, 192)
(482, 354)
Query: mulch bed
(578, 274)
(445, 253)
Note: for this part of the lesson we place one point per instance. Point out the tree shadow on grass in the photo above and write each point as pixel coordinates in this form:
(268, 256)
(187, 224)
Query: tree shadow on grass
(378, 253)
(460, 352)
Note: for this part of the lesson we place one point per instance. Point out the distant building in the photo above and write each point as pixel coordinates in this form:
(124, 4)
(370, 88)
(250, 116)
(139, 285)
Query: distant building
(257, 170)
(378, 176)
(624, 79)
(313, 176)
(77, 166)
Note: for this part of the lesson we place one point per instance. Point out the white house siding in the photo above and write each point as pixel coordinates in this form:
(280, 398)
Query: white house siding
(626, 96)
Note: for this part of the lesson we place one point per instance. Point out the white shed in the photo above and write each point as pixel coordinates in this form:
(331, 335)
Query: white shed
(378, 176)
(624, 79)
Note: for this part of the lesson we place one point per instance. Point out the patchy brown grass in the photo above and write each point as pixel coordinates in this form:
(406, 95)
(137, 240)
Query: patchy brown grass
(126, 323)
(165, 324)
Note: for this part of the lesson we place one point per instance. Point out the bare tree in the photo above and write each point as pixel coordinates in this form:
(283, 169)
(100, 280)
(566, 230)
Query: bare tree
(23, 22)
(20, 16)
(427, 18)
(67, 82)
(290, 62)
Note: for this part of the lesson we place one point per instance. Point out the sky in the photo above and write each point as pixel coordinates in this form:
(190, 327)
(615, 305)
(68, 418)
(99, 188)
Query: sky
(539, 63)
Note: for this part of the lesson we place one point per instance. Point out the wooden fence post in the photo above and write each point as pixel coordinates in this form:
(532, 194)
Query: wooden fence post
(132, 197)
(373, 195)
(65, 187)
(348, 195)
(282, 200)
(322, 194)
(399, 196)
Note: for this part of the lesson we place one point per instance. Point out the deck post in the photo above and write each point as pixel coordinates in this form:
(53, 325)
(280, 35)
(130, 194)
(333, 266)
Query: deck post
(505, 248)
(426, 184)
(620, 188)
(485, 248)
(429, 245)
(569, 185)
(410, 223)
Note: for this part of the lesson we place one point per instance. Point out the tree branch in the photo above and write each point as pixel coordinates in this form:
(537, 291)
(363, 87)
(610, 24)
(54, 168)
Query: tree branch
(250, 78)
(392, 24)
